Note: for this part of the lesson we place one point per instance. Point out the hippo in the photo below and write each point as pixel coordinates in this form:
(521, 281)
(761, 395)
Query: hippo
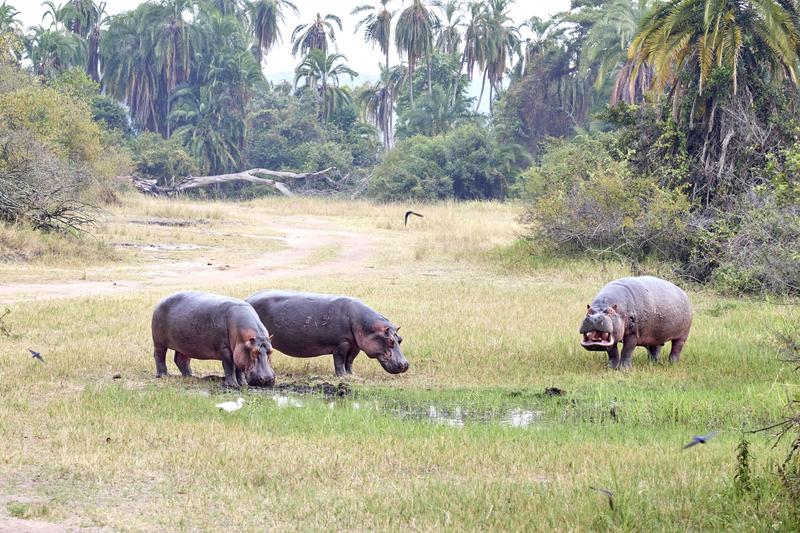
(199, 325)
(642, 311)
(309, 325)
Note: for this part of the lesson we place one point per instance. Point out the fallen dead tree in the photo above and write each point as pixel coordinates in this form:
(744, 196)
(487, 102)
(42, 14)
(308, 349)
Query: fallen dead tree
(150, 186)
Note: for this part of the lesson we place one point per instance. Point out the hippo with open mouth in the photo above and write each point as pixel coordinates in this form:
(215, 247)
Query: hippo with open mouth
(642, 311)
(309, 325)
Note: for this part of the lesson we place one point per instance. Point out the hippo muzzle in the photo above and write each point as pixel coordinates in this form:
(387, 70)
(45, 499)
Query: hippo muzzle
(260, 373)
(394, 363)
(597, 331)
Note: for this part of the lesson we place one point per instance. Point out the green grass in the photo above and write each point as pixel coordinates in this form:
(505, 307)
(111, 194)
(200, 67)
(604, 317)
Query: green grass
(485, 331)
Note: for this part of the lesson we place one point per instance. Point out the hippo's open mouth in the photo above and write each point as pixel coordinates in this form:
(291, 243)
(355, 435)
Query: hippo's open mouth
(597, 338)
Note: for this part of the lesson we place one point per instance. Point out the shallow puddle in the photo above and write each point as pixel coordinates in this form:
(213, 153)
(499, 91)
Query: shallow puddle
(305, 393)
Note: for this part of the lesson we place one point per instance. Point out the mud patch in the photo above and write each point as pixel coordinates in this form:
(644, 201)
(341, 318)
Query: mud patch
(161, 247)
(176, 223)
(323, 388)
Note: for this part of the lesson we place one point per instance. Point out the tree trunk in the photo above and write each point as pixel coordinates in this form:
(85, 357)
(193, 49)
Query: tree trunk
(411, 79)
(430, 77)
(192, 182)
(480, 96)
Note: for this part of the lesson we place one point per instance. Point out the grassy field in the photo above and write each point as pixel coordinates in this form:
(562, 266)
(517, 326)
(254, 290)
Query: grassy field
(466, 439)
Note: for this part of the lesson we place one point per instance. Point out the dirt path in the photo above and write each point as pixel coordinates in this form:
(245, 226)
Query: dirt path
(304, 242)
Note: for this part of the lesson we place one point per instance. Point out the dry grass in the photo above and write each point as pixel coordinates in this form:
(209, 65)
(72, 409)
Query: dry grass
(485, 330)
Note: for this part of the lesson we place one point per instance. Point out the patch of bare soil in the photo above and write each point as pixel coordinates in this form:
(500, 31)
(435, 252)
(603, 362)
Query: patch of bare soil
(303, 241)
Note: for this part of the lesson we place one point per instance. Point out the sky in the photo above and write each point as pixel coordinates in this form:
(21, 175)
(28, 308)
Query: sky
(280, 63)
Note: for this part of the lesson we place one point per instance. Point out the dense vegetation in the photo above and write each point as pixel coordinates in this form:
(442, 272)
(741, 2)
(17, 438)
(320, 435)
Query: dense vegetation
(639, 129)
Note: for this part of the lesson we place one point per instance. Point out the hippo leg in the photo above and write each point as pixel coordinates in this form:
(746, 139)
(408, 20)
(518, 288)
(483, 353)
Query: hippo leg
(160, 355)
(627, 354)
(230, 370)
(340, 358)
(653, 351)
(240, 377)
(182, 362)
(613, 357)
(675, 350)
(348, 362)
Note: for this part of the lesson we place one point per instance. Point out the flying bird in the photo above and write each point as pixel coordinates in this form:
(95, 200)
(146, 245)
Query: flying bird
(608, 493)
(36, 355)
(409, 213)
(230, 407)
(701, 439)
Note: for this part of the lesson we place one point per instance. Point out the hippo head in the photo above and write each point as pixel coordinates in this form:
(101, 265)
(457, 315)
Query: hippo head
(602, 327)
(382, 342)
(256, 360)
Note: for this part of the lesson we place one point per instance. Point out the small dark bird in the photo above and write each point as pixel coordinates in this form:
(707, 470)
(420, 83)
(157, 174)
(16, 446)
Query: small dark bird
(36, 355)
(409, 213)
(608, 493)
(701, 439)
(614, 411)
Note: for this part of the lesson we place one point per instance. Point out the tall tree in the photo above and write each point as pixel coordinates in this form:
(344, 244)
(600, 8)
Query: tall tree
(266, 18)
(448, 29)
(315, 36)
(502, 42)
(414, 37)
(377, 100)
(606, 51)
(697, 36)
(377, 26)
(11, 38)
(54, 50)
(321, 73)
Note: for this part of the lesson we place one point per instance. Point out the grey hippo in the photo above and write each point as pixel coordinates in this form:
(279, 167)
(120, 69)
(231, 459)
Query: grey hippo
(309, 325)
(199, 325)
(642, 311)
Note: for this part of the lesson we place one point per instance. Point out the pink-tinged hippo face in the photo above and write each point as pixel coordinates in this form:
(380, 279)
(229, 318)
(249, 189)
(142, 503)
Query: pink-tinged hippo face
(383, 344)
(256, 361)
(602, 327)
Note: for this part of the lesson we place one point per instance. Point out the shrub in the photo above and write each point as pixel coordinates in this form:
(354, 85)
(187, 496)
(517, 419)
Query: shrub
(413, 169)
(155, 157)
(465, 164)
(585, 200)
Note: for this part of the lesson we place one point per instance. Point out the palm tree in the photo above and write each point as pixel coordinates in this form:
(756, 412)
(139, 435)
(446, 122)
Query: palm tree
(321, 73)
(266, 18)
(414, 36)
(376, 102)
(501, 43)
(699, 36)
(174, 37)
(314, 36)
(52, 51)
(377, 26)
(10, 33)
(448, 31)
(606, 50)
(204, 128)
(131, 72)
(546, 35)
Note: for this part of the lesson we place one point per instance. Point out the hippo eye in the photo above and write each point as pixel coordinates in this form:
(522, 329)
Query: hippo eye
(391, 342)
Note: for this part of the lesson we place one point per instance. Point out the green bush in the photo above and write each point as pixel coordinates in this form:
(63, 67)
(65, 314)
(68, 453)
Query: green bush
(414, 169)
(464, 164)
(162, 159)
(585, 200)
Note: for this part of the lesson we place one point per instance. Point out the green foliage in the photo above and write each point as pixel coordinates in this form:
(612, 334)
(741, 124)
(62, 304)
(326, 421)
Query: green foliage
(108, 112)
(463, 164)
(155, 157)
(587, 200)
(75, 83)
(285, 133)
(742, 479)
(414, 169)
(783, 170)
